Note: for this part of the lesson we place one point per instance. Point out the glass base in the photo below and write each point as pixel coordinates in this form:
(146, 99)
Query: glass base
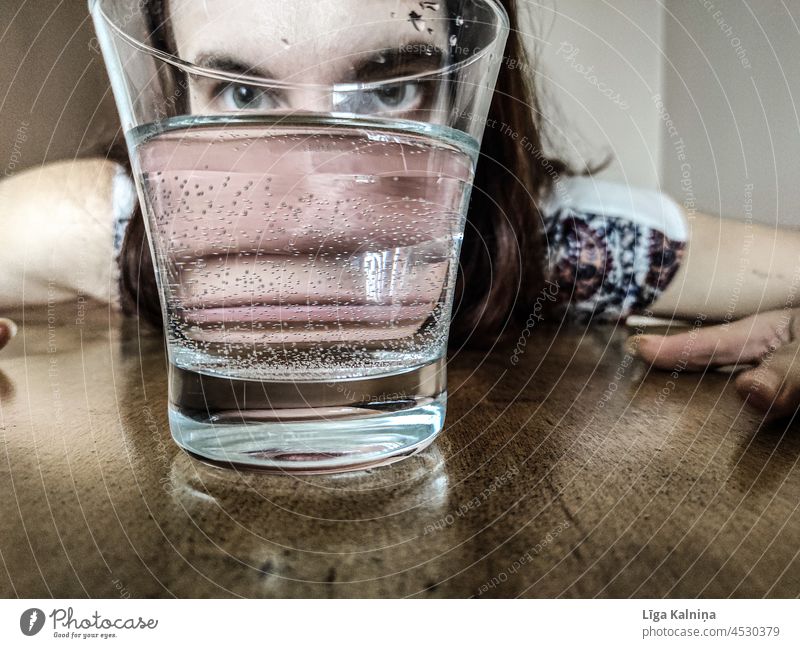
(309, 427)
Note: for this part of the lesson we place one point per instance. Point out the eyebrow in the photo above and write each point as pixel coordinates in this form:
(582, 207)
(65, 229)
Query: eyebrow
(225, 63)
(407, 59)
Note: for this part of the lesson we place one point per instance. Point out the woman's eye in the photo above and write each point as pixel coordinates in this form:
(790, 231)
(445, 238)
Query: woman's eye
(400, 97)
(243, 97)
(393, 96)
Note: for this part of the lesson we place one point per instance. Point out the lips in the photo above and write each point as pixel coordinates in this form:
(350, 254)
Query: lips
(281, 324)
(307, 314)
(365, 297)
(391, 276)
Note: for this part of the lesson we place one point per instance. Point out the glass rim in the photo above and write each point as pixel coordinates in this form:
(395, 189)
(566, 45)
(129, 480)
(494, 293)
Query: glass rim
(503, 26)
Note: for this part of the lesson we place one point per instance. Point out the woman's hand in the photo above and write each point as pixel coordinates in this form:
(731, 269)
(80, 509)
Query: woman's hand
(769, 342)
(7, 331)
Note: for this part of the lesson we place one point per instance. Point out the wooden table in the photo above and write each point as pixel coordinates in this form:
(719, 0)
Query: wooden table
(574, 472)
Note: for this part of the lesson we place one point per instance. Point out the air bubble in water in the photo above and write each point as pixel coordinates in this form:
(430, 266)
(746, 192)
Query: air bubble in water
(342, 279)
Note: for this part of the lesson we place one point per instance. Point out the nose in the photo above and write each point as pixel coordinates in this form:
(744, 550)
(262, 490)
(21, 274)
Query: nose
(310, 100)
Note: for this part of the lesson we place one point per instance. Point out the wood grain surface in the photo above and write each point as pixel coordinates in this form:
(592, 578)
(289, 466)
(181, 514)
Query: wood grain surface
(572, 472)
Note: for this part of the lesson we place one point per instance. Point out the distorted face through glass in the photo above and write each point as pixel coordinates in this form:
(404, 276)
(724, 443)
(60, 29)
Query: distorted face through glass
(305, 170)
(355, 229)
(313, 47)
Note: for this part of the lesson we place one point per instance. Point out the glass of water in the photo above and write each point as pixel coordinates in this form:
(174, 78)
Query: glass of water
(304, 169)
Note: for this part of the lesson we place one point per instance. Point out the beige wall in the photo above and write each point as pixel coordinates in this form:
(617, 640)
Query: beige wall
(53, 97)
(600, 65)
(732, 91)
(728, 75)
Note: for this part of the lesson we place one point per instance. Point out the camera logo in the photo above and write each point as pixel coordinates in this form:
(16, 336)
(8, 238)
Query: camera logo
(31, 621)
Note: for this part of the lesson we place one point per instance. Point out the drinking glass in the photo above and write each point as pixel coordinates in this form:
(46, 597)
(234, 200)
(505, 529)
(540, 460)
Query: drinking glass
(304, 170)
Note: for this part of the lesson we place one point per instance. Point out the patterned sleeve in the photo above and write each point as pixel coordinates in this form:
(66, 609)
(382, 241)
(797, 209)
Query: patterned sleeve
(611, 250)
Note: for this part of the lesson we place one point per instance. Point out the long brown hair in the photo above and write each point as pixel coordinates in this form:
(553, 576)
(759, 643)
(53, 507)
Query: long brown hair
(502, 258)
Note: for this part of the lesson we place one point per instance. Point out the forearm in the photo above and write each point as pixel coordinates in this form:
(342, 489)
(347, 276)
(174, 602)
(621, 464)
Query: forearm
(732, 269)
(56, 224)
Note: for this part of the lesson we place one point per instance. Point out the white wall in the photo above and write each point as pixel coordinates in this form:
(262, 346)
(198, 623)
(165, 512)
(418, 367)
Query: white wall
(600, 65)
(728, 73)
(53, 88)
(732, 90)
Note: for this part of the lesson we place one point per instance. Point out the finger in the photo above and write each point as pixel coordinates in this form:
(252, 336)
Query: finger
(741, 342)
(7, 331)
(773, 387)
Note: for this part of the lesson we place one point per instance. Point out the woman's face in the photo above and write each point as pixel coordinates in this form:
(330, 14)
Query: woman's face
(310, 42)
